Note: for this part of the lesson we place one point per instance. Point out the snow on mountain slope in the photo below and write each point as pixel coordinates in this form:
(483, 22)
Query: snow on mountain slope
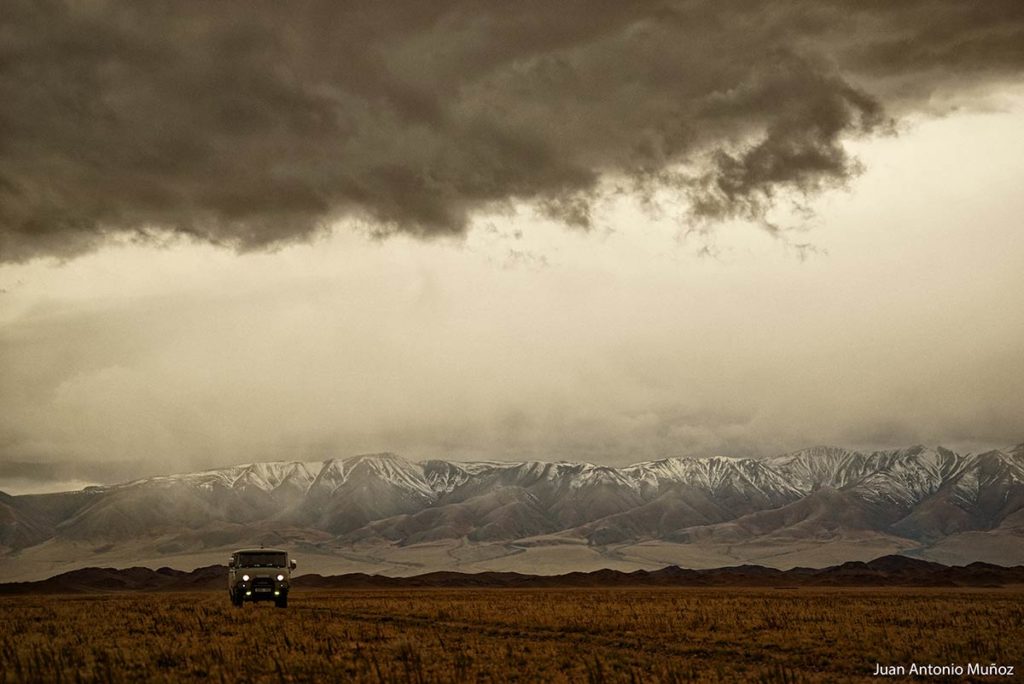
(907, 476)
(917, 492)
(719, 476)
(265, 477)
(902, 476)
(390, 468)
(445, 476)
(821, 466)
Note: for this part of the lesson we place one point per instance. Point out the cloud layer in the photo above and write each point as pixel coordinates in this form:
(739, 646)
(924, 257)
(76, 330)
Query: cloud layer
(138, 360)
(259, 123)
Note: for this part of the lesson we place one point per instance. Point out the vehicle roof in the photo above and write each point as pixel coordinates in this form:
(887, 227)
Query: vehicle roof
(261, 551)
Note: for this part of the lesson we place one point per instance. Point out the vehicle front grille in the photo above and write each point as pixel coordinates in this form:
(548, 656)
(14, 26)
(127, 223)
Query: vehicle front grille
(263, 582)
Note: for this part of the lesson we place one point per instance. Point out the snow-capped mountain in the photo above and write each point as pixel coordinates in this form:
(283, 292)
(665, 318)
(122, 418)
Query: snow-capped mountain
(919, 494)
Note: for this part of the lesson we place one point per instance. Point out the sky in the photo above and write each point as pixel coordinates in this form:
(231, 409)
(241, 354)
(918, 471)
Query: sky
(493, 231)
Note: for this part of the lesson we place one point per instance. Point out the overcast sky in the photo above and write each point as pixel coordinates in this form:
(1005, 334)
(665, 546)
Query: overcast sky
(615, 233)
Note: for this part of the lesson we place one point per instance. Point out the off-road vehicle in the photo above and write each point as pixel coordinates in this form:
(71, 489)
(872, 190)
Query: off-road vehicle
(260, 575)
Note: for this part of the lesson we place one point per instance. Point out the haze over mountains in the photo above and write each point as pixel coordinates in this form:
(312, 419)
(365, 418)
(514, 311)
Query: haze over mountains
(382, 513)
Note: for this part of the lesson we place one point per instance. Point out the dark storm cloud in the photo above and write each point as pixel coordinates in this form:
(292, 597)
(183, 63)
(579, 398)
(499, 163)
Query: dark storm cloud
(251, 124)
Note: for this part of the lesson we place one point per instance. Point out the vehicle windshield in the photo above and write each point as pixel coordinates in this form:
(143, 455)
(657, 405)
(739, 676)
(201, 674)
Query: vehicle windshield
(262, 560)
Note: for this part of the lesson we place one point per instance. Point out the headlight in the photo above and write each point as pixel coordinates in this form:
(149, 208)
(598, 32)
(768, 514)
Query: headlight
(280, 578)
(245, 578)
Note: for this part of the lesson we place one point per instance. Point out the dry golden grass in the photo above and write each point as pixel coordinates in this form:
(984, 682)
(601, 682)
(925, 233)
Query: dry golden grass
(618, 635)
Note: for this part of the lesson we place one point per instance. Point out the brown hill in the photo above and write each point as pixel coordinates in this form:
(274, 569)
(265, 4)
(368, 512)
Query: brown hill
(884, 571)
(106, 580)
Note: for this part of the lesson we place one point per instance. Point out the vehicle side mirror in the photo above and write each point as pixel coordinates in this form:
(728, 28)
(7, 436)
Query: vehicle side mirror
(231, 562)
(294, 565)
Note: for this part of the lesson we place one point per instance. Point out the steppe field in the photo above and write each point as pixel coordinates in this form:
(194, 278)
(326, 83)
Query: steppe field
(498, 635)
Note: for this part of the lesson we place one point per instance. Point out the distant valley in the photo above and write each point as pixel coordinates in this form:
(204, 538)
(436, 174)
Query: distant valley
(383, 514)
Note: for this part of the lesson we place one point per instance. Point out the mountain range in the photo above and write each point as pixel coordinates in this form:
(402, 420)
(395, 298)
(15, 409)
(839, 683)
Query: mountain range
(382, 513)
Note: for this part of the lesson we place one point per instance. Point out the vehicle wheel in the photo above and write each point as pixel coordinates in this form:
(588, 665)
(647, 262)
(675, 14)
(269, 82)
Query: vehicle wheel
(281, 601)
(236, 599)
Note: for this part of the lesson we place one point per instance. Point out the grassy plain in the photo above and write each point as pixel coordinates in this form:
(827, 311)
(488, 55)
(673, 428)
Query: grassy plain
(498, 635)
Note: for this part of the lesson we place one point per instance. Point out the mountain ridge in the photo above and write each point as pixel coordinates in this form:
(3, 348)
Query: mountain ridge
(915, 499)
(670, 467)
